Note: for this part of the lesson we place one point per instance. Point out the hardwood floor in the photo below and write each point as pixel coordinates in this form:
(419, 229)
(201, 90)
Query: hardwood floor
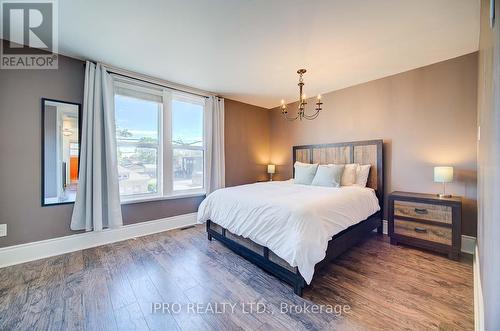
(114, 287)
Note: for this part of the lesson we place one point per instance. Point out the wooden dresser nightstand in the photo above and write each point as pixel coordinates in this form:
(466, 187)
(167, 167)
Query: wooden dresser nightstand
(426, 221)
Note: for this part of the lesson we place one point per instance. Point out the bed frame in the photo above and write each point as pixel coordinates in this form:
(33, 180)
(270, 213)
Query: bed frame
(363, 152)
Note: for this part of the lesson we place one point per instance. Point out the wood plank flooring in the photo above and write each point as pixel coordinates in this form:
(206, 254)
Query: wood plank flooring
(113, 287)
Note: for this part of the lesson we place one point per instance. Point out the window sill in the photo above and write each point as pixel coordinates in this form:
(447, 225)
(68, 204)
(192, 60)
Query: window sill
(170, 197)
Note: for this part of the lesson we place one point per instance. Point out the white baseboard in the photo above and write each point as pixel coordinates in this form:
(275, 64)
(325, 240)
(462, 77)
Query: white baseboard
(468, 242)
(41, 249)
(478, 294)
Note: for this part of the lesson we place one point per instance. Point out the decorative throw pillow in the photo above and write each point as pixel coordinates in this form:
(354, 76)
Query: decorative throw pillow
(304, 172)
(362, 173)
(328, 175)
(349, 175)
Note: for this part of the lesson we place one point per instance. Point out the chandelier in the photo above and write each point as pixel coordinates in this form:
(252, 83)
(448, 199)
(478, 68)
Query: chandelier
(301, 113)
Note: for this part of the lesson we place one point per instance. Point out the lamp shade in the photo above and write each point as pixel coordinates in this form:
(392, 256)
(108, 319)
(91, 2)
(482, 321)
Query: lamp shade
(443, 174)
(271, 168)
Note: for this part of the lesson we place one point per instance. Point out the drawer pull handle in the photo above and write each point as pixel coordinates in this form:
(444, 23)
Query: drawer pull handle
(421, 211)
(420, 230)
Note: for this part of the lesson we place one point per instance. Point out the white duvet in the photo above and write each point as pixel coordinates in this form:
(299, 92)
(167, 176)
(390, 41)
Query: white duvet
(294, 221)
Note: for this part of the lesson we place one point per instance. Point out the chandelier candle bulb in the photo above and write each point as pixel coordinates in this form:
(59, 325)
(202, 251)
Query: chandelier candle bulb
(283, 107)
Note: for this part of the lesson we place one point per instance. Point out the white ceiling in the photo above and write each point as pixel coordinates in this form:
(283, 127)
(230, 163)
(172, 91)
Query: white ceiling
(249, 50)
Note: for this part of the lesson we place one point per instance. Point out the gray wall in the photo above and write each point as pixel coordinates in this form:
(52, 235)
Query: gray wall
(488, 236)
(20, 149)
(246, 129)
(20, 163)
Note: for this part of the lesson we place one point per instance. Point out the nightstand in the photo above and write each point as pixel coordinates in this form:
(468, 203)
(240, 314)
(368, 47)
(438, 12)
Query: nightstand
(426, 221)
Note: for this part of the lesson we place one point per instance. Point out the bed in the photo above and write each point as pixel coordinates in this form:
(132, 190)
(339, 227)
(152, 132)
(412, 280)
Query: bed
(293, 230)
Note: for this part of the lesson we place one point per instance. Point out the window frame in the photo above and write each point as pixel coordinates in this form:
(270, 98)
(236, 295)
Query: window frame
(165, 180)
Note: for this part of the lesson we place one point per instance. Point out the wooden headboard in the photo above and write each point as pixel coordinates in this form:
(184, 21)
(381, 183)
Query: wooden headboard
(362, 152)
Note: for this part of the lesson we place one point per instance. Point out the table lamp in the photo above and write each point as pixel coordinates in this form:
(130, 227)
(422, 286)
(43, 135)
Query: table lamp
(271, 169)
(443, 175)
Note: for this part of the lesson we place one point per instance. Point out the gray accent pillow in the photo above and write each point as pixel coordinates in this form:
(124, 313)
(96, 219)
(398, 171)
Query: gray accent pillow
(304, 172)
(328, 175)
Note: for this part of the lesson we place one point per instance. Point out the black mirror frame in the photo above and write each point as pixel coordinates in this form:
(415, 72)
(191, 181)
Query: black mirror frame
(42, 179)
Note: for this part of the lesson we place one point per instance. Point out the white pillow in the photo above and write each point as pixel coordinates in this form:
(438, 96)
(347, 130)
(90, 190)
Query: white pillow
(328, 175)
(304, 172)
(349, 175)
(362, 173)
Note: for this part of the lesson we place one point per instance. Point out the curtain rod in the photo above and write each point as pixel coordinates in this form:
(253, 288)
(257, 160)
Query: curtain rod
(156, 81)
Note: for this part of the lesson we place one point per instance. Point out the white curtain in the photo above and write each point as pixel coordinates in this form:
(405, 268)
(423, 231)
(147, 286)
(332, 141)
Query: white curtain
(215, 167)
(97, 203)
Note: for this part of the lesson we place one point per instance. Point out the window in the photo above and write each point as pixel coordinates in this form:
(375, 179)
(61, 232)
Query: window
(160, 141)
(138, 145)
(187, 144)
(74, 149)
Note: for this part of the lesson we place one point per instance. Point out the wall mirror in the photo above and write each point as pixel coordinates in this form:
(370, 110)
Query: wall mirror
(60, 151)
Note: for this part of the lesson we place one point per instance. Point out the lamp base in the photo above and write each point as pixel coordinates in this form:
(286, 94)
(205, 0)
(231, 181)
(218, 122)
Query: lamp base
(441, 195)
